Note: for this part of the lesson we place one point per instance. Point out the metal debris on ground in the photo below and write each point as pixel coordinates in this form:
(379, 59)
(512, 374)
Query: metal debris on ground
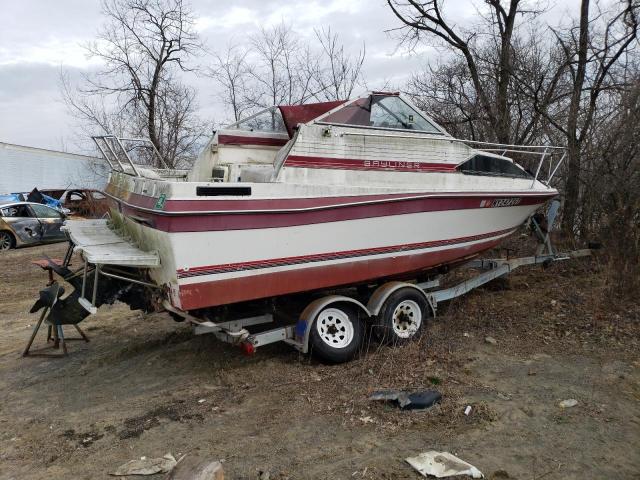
(442, 465)
(408, 401)
(146, 466)
(571, 402)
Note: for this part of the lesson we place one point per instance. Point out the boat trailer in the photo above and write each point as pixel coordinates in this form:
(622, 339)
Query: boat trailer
(298, 334)
(234, 332)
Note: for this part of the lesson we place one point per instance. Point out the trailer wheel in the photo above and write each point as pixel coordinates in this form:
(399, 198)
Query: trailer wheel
(6, 241)
(402, 317)
(336, 334)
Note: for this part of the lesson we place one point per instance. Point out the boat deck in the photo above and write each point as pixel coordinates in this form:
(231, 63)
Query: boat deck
(101, 245)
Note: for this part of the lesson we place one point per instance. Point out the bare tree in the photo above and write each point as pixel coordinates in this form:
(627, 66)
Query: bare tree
(422, 19)
(590, 58)
(142, 47)
(281, 68)
(276, 67)
(231, 71)
(179, 129)
(339, 73)
(610, 163)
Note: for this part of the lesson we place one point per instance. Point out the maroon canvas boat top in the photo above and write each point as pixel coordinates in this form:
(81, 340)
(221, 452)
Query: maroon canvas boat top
(295, 114)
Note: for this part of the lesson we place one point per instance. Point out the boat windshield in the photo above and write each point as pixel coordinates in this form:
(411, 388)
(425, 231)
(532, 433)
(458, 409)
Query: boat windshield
(381, 111)
(269, 120)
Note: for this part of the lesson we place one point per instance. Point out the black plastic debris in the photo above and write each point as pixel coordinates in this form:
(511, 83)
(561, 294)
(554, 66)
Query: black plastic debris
(408, 401)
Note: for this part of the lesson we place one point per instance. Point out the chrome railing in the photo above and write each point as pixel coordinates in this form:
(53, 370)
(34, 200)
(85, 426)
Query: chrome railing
(115, 153)
(545, 152)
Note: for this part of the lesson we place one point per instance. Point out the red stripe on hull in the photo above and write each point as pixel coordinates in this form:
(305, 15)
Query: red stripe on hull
(322, 257)
(253, 141)
(247, 221)
(222, 292)
(201, 206)
(197, 206)
(303, 161)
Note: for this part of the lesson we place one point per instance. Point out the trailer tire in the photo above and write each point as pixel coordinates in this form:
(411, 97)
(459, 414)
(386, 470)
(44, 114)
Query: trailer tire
(337, 333)
(402, 318)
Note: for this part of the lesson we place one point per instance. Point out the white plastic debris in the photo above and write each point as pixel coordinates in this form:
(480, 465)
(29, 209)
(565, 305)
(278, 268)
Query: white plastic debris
(490, 340)
(146, 466)
(196, 468)
(467, 410)
(571, 402)
(442, 465)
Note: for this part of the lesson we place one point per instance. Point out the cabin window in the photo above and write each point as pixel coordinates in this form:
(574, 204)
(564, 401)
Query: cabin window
(42, 211)
(382, 111)
(488, 165)
(269, 120)
(17, 211)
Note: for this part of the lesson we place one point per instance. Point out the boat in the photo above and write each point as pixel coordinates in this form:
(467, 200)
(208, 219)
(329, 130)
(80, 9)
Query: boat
(305, 198)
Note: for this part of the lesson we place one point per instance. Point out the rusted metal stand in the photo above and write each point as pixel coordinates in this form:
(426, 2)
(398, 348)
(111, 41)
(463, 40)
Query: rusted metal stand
(55, 332)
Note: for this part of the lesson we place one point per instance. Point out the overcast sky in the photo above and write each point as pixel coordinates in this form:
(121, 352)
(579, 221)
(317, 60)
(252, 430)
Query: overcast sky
(39, 38)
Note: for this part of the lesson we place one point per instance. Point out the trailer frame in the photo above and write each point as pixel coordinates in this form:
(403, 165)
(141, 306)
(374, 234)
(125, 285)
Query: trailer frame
(297, 335)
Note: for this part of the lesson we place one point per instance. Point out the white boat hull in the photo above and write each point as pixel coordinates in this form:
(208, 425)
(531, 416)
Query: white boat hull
(216, 267)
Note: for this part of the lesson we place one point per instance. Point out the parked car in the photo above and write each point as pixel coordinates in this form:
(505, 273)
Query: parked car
(85, 202)
(34, 196)
(29, 223)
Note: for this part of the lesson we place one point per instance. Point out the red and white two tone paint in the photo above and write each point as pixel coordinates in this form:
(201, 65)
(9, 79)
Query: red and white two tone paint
(312, 197)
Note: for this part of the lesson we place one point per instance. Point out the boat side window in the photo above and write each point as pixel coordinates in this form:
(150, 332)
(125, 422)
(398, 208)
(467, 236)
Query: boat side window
(488, 165)
(269, 120)
(381, 111)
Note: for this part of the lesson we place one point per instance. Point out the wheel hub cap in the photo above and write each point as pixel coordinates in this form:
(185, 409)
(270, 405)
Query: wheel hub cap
(5, 243)
(335, 328)
(407, 318)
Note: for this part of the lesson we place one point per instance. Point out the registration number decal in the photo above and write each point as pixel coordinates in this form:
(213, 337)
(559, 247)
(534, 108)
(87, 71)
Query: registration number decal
(160, 202)
(501, 202)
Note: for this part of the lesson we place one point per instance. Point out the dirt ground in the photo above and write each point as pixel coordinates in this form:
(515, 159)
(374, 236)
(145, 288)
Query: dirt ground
(145, 386)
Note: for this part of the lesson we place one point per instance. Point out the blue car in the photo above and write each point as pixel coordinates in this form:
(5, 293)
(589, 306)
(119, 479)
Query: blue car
(34, 196)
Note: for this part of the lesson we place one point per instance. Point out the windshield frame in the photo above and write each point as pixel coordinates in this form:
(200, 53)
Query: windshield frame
(274, 108)
(441, 131)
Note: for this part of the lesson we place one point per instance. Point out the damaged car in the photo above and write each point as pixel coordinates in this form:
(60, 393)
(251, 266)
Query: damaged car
(29, 223)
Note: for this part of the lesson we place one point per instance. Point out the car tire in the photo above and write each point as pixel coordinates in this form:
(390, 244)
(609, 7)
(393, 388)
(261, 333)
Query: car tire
(7, 242)
(336, 334)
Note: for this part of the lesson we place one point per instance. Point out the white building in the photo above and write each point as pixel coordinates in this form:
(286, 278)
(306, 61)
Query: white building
(23, 168)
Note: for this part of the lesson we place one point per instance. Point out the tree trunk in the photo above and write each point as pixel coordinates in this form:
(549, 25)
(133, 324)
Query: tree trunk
(151, 114)
(572, 192)
(572, 188)
(503, 114)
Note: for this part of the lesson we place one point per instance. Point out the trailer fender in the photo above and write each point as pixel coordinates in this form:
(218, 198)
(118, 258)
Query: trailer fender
(309, 314)
(382, 293)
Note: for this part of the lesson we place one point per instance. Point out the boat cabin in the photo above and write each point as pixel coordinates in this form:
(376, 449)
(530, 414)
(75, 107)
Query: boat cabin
(336, 142)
